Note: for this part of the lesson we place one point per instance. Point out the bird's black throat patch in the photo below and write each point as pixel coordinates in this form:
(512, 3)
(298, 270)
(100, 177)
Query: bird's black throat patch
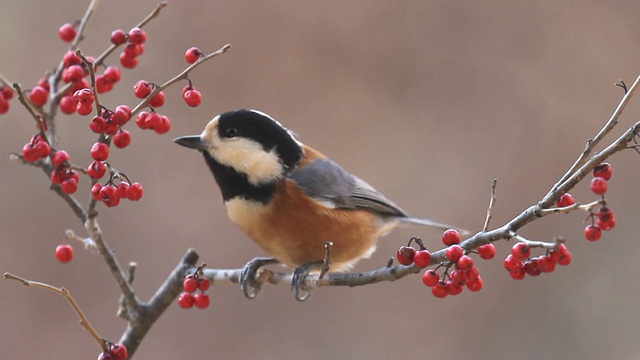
(234, 184)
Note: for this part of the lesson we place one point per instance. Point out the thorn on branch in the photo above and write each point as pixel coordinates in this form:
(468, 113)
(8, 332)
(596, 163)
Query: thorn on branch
(492, 202)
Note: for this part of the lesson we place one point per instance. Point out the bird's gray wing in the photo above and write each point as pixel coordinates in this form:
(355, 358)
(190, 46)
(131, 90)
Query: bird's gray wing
(328, 183)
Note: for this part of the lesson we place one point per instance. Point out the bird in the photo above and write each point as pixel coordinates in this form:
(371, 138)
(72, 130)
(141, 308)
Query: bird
(290, 199)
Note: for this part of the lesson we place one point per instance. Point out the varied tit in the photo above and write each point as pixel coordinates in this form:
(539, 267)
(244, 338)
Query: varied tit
(289, 198)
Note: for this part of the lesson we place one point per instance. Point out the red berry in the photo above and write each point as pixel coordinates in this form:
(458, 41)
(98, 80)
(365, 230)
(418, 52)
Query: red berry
(38, 96)
(141, 120)
(64, 253)
(118, 37)
(58, 176)
(607, 225)
(4, 104)
(521, 251)
(121, 190)
(190, 284)
(142, 89)
(546, 263)
(44, 83)
(405, 255)
(67, 32)
(137, 36)
(451, 237)
(70, 58)
(164, 126)
(465, 262)
(592, 233)
(73, 73)
(603, 170)
(122, 139)
(67, 105)
(133, 50)
(186, 300)
(96, 170)
(475, 285)
(102, 85)
(202, 300)
(430, 278)
(153, 120)
(100, 151)
(95, 191)
(605, 214)
(108, 195)
(487, 251)
(440, 290)
(135, 192)
(112, 74)
(59, 158)
(599, 185)
(562, 255)
(122, 115)
(119, 352)
(98, 124)
(517, 274)
(422, 258)
(565, 200)
(192, 55)
(69, 186)
(454, 253)
(84, 109)
(105, 356)
(453, 289)
(203, 284)
(6, 92)
(458, 277)
(42, 149)
(157, 100)
(511, 263)
(193, 97)
(128, 62)
(472, 274)
(531, 267)
(84, 97)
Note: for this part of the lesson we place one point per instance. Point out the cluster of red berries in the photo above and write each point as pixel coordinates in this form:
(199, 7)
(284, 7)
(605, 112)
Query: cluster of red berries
(133, 45)
(198, 284)
(111, 194)
(604, 219)
(114, 352)
(64, 252)
(520, 263)
(452, 283)
(37, 148)
(62, 173)
(6, 94)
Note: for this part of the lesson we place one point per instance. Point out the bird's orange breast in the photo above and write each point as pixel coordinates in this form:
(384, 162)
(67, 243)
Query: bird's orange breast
(294, 228)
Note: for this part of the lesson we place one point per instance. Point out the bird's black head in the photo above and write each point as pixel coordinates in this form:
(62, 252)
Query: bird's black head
(249, 143)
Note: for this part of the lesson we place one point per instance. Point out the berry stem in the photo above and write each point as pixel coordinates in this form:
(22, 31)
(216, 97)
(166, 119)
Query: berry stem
(84, 322)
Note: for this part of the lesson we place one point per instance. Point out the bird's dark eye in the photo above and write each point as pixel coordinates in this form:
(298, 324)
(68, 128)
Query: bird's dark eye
(230, 132)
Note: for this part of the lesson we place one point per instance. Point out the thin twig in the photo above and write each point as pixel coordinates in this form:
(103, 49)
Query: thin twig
(591, 144)
(91, 67)
(182, 75)
(492, 202)
(570, 208)
(84, 322)
(534, 243)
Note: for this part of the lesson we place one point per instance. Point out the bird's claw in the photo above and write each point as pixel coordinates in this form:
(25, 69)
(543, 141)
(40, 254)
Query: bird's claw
(250, 286)
(300, 290)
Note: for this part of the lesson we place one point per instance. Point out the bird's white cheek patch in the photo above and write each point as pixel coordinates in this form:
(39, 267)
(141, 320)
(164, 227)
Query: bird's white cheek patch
(248, 157)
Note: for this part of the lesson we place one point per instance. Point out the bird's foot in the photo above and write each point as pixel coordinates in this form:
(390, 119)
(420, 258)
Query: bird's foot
(300, 290)
(249, 284)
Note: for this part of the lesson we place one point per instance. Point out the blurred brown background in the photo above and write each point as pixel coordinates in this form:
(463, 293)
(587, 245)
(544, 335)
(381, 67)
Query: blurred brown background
(426, 100)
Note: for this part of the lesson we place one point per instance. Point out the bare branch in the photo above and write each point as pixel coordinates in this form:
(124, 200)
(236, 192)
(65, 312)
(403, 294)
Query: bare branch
(492, 203)
(84, 322)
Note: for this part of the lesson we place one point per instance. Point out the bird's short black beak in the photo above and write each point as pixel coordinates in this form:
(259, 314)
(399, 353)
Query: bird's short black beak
(192, 142)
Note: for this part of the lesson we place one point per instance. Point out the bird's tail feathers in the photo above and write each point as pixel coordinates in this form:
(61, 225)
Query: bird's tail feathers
(433, 224)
